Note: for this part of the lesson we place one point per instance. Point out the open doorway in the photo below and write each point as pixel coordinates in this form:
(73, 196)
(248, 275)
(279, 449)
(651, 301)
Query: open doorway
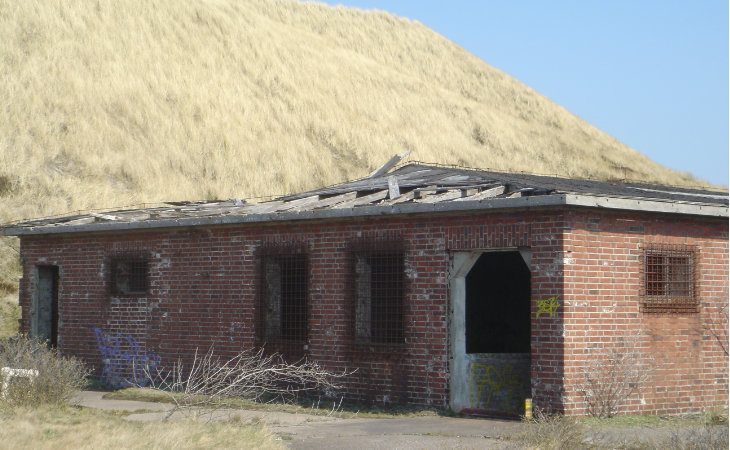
(498, 304)
(490, 331)
(44, 319)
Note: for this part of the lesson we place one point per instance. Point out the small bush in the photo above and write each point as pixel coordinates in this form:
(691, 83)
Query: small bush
(552, 431)
(58, 377)
(613, 374)
(698, 438)
(716, 416)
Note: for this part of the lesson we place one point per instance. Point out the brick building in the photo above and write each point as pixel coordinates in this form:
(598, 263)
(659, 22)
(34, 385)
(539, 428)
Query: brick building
(443, 287)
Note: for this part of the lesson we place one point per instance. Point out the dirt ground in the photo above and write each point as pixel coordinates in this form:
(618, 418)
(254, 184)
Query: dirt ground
(309, 431)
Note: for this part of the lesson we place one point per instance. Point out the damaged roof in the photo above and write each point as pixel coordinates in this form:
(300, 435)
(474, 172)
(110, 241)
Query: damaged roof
(411, 189)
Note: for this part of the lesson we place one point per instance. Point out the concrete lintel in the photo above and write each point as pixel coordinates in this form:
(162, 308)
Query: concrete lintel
(540, 201)
(647, 205)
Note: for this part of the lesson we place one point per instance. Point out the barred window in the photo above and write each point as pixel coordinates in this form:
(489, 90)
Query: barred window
(128, 275)
(283, 301)
(377, 280)
(669, 278)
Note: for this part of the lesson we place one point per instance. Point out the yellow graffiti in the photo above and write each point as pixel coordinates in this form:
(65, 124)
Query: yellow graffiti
(492, 380)
(548, 306)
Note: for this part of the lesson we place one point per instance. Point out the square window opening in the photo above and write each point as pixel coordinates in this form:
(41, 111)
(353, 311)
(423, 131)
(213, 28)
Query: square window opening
(129, 275)
(669, 278)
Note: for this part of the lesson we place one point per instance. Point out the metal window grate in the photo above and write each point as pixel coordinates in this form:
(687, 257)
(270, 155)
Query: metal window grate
(377, 285)
(283, 310)
(386, 291)
(293, 297)
(128, 275)
(669, 278)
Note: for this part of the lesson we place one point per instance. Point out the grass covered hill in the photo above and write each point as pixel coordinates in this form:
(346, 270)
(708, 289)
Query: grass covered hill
(113, 103)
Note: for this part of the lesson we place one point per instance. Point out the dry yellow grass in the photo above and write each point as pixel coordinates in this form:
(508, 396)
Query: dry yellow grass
(53, 428)
(9, 315)
(115, 103)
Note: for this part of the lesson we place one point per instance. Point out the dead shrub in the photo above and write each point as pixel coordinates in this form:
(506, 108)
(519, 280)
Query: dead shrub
(210, 381)
(718, 327)
(705, 437)
(612, 375)
(716, 416)
(552, 431)
(57, 379)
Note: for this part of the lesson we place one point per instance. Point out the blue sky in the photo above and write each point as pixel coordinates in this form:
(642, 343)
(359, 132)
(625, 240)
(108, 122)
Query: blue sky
(651, 73)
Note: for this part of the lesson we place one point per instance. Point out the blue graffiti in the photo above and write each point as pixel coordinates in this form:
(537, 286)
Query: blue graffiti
(124, 362)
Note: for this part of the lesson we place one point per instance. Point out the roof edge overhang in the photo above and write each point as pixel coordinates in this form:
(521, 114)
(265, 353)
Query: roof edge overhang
(541, 201)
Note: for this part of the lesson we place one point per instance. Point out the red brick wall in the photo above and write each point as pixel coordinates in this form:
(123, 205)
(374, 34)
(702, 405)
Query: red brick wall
(688, 370)
(203, 293)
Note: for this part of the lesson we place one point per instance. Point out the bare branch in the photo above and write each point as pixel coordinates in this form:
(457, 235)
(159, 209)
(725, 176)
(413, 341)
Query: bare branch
(718, 328)
(255, 375)
(613, 375)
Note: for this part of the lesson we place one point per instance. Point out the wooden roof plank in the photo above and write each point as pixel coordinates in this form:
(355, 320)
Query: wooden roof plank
(408, 196)
(265, 208)
(444, 197)
(299, 204)
(359, 201)
(81, 221)
(104, 216)
(487, 193)
(324, 203)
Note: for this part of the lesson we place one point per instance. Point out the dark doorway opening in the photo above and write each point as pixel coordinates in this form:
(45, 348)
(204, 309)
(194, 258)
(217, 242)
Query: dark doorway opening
(45, 314)
(498, 304)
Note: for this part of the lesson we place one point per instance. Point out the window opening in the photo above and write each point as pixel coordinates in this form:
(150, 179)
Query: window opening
(129, 275)
(377, 277)
(283, 305)
(669, 277)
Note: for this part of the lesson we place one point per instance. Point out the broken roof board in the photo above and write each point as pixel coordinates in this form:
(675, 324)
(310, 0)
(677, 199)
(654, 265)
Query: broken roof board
(425, 189)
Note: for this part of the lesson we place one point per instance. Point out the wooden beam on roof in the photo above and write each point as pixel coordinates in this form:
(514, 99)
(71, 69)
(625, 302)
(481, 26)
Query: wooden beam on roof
(81, 221)
(137, 217)
(423, 192)
(393, 188)
(208, 212)
(267, 207)
(487, 193)
(408, 196)
(299, 204)
(364, 200)
(389, 165)
(446, 196)
(521, 192)
(326, 202)
(453, 179)
(104, 216)
(168, 214)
